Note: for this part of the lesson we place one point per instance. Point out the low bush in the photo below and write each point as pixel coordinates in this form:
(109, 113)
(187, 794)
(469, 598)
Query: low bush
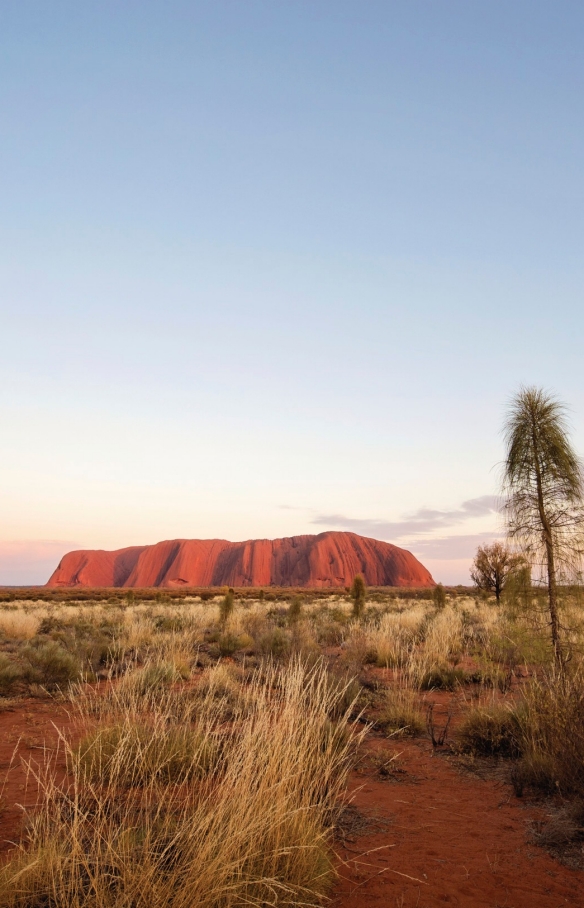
(358, 649)
(330, 633)
(439, 596)
(50, 665)
(295, 610)
(553, 733)
(535, 771)
(400, 713)
(169, 623)
(442, 677)
(495, 731)
(226, 607)
(10, 674)
(156, 675)
(275, 643)
(226, 645)
(491, 676)
(515, 644)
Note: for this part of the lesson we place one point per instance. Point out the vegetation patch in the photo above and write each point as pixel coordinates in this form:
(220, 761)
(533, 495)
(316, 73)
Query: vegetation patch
(491, 732)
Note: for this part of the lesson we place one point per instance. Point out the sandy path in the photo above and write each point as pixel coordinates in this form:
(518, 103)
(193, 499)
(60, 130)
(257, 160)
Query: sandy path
(454, 839)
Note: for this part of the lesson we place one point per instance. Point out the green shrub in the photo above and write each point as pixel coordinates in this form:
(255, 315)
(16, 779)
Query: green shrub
(442, 677)
(491, 732)
(50, 664)
(10, 674)
(330, 633)
(439, 596)
(227, 644)
(226, 607)
(491, 676)
(535, 770)
(358, 597)
(157, 675)
(169, 623)
(520, 644)
(275, 643)
(295, 610)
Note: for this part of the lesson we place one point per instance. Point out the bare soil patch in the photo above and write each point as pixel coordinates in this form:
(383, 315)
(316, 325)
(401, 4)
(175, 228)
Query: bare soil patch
(452, 839)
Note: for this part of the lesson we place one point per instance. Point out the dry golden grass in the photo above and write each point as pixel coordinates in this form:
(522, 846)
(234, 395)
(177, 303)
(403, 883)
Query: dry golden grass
(164, 813)
(19, 625)
(219, 787)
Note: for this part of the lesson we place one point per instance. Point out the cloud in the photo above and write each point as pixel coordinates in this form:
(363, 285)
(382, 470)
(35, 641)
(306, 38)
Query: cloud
(451, 547)
(32, 561)
(424, 520)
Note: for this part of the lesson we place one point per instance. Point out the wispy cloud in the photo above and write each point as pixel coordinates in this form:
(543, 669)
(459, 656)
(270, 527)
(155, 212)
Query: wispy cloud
(451, 547)
(424, 520)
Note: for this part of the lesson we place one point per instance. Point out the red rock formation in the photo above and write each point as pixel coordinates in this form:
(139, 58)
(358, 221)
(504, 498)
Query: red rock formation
(328, 560)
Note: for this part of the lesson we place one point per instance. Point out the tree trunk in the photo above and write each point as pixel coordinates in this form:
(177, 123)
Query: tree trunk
(551, 564)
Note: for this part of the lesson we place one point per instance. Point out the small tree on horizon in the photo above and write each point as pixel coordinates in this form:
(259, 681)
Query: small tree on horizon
(295, 610)
(439, 596)
(226, 607)
(544, 486)
(492, 566)
(358, 596)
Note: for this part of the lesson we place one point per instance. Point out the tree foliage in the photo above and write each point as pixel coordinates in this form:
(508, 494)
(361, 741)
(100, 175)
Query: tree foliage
(544, 488)
(358, 595)
(226, 607)
(439, 596)
(492, 566)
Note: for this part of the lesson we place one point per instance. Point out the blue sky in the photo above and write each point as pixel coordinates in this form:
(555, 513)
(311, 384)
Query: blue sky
(274, 268)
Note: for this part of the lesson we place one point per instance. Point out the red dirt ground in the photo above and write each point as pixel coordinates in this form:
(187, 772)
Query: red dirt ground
(28, 737)
(437, 837)
(452, 839)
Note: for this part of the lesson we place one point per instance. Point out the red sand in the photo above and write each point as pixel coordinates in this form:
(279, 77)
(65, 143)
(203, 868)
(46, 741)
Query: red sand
(328, 560)
(453, 839)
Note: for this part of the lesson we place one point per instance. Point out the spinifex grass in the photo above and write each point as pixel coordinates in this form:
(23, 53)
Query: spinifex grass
(250, 825)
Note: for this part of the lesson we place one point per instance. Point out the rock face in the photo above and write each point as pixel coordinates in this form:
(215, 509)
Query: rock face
(328, 560)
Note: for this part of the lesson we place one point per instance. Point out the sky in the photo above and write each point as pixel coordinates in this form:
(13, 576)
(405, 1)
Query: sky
(278, 268)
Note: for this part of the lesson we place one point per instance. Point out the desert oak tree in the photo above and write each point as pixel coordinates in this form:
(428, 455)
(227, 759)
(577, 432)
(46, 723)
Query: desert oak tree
(492, 566)
(543, 485)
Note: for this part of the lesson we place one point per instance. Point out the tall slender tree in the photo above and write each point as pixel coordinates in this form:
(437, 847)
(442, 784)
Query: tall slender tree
(544, 488)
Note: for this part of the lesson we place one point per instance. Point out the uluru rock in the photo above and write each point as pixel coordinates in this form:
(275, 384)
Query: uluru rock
(329, 559)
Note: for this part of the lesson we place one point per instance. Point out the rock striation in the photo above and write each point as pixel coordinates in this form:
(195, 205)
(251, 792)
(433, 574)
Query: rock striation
(328, 559)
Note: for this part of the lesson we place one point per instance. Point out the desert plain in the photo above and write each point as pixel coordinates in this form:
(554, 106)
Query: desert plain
(280, 746)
